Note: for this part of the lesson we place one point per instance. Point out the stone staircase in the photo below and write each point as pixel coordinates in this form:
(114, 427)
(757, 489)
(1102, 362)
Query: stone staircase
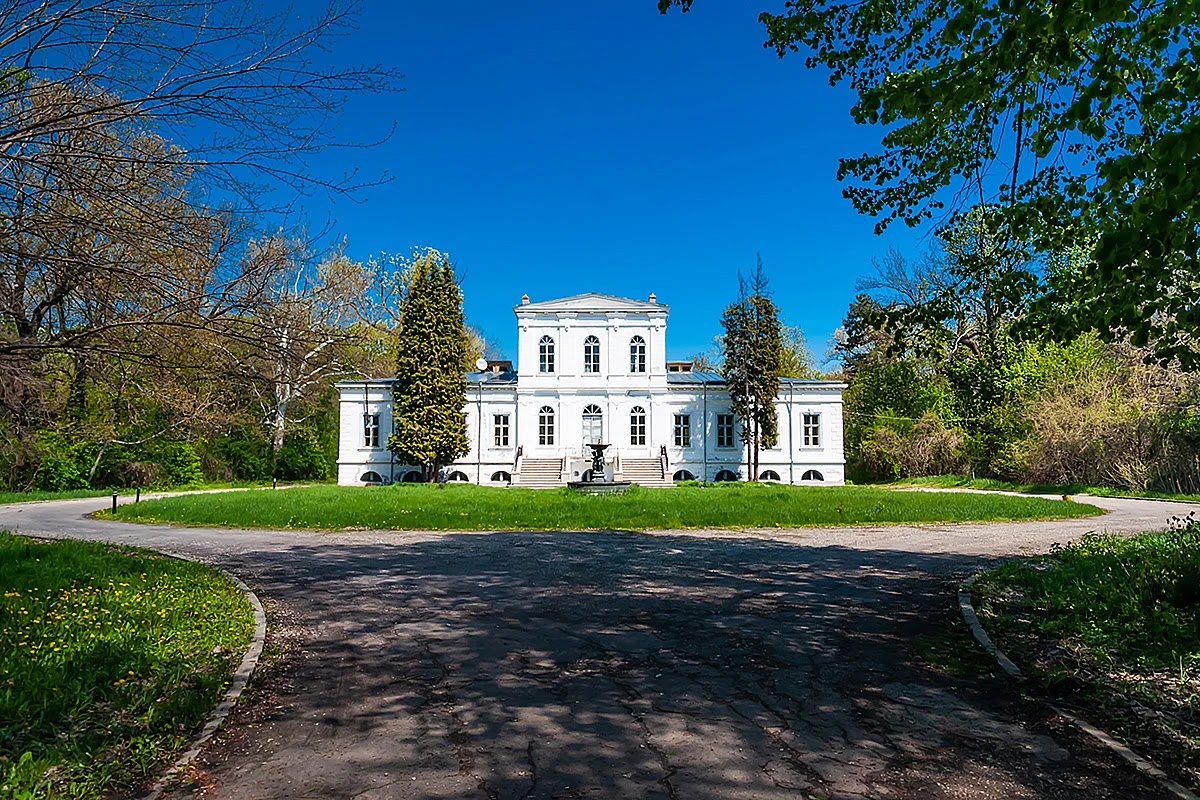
(539, 473)
(644, 471)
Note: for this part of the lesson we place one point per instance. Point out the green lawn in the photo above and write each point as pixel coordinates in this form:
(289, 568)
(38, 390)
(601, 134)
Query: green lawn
(1108, 623)
(109, 661)
(468, 507)
(965, 482)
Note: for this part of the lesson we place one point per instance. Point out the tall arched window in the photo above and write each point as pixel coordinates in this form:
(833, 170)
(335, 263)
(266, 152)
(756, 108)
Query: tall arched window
(593, 425)
(637, 425)
(546, 425)
(591, 354)
(546, 354)
(637, 354)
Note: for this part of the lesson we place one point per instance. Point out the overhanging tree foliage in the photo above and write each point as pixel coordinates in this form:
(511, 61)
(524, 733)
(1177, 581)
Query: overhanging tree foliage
(139, 140)
(431, 388)
(1079, 121)
(753, 351)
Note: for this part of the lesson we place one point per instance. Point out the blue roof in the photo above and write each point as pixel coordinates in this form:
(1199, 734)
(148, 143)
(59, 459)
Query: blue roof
(491, 377)
(694, 377)
(698, 378)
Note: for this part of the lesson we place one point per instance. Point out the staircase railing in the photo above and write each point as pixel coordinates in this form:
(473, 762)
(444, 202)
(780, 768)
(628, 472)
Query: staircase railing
(663, 461)
(517, 460)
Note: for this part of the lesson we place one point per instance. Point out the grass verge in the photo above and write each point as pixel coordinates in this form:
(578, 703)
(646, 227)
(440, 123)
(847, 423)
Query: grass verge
(72, 494)
(1111, 626)
(965, 482)
(109, 660)
(468, 507)
(25, 497)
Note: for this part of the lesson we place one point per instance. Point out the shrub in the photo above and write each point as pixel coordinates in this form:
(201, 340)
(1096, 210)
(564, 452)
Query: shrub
(140, 473)
(925, 447)
(63, 461)
(238, 457)
(301, 459)
(155, 463)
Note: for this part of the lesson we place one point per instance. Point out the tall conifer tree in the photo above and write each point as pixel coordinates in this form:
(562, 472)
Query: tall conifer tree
(753, 343)
(431, 387)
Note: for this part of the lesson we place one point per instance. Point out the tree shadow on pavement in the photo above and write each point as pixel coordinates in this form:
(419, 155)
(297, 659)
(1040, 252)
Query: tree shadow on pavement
(538, 665)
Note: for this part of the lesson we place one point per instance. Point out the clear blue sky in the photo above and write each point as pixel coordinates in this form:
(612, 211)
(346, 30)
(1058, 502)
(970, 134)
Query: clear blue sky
(559, 148)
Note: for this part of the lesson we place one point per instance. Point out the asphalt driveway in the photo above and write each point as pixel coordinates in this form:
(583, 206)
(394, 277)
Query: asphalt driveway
(624, 665)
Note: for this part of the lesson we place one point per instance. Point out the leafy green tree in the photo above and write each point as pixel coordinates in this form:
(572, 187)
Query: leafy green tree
(296, 339)
(794, 360)
(1078, 120)
(753, 343)
(431, 388)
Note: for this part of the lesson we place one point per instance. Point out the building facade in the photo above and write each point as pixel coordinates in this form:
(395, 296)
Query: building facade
(593, 369)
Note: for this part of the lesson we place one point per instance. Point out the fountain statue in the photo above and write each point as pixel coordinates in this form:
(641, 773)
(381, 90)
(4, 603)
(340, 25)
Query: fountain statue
(597, 482)
(598, 463)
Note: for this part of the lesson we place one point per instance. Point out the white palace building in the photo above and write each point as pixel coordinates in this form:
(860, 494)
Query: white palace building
(592, 368)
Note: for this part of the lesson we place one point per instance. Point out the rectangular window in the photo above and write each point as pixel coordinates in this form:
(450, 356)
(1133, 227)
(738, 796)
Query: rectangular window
(500, 428)
(545, 429)
(810, 427)
(637, 426)
(683, 430)
(724, 430)
(370, 430)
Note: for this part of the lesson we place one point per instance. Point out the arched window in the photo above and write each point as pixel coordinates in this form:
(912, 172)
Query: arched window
(683, 475)
(591, 354)
(637, 426)
(726, 475)
(637, 354)
(812, 475)
(501, 477)
(769, 475)
(546, 354)
(456, 477)
(413, 476)
(371, 477)
(593, 425)
(546, 425)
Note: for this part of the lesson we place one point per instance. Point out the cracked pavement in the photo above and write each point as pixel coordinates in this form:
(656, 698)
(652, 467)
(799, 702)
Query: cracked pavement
(705, 664)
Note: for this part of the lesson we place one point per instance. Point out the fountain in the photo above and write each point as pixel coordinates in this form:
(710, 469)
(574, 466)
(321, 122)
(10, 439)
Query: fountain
(597, 482)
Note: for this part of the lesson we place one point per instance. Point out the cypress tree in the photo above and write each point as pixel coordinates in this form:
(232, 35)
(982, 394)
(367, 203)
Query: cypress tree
(431, 389)
(753, 345)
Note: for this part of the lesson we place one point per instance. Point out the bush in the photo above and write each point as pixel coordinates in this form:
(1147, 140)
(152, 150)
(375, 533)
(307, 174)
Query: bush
(63, 461)
(152, 464)
(140, 473)
(301, 459)
(924, 447)
(238, 457)
(1135, 599)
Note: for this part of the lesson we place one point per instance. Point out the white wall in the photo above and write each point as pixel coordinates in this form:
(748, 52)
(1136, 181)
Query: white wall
(790, 460)
(614, 321)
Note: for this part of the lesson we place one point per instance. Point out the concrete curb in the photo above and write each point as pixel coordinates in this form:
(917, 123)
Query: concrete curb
(1143, 765)
(241, 677)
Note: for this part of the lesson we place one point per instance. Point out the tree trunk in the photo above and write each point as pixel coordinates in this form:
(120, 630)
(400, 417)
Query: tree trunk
(278, 426)
(96, 463)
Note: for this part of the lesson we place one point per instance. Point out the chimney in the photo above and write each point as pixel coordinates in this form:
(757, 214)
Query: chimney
(524, 299)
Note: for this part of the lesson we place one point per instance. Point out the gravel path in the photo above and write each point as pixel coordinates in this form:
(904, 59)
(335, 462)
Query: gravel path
(707, 664)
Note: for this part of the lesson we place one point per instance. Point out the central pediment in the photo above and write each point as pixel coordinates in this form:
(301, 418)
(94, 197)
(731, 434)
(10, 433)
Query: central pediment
(591, 302)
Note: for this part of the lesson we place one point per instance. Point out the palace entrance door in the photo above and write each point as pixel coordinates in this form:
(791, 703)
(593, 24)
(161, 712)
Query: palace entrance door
(593, 425)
